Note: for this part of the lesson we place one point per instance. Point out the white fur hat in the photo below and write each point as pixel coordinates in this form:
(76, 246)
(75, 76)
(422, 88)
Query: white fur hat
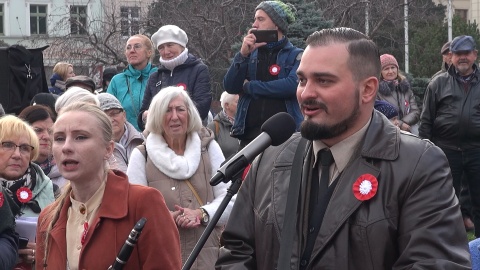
(170, 33)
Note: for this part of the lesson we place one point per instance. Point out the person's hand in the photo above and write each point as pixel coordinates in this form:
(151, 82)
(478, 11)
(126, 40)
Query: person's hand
(405, 127)
(175, 214)
(188, 218)
(249, 45)
(144, 116)
(395, 121)
(27, 255)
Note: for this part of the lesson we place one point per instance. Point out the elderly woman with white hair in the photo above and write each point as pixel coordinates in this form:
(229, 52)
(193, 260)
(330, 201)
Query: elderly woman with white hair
(75, 94)
(179, 158)
(223, 122)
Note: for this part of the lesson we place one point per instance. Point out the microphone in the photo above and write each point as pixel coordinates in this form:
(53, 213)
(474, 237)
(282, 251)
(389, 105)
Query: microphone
(275, 131)
(127, 248)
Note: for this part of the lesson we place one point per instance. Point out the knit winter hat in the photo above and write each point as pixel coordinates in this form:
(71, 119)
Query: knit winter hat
(46, 99)
(108, 101)
(170, 33)
(385, 108)
(282, 14)
(388, 59)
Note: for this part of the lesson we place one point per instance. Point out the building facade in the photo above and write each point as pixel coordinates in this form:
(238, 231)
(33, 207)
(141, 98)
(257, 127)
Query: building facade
(468, 10)
(73, 29)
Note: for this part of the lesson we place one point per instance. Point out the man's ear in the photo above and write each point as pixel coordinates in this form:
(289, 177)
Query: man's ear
(368, 90)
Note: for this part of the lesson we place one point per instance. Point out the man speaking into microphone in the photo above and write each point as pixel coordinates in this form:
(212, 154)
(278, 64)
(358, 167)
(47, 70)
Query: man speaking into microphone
(351, 191)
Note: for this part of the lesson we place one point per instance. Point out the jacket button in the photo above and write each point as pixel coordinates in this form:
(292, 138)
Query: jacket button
(311, 229)
(303, 263)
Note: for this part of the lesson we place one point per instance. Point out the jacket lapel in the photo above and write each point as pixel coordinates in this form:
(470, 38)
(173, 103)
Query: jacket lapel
(116, 190)
(59, 232)
(381, 142)
(343, 202)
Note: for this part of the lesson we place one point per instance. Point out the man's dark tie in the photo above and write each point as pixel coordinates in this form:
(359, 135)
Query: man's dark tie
(319, 197)
(326, 160)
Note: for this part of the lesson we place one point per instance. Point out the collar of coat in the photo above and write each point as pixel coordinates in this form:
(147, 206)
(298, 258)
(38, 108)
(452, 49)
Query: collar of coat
(382, 141)
(452, 71)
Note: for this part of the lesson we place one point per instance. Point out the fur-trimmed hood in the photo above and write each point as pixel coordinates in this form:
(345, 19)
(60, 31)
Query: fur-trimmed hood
(387, 87)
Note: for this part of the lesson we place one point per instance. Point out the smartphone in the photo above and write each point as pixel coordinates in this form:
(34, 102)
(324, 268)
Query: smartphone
(265, 35)
(22, 242)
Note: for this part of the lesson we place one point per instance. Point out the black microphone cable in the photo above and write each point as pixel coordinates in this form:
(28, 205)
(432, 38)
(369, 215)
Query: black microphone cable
(129, 245)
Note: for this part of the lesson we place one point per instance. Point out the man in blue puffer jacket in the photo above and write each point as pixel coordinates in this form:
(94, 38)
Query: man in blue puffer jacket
(264, 74)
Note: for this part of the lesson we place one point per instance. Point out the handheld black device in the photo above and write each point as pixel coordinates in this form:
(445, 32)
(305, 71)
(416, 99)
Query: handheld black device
(265, 35)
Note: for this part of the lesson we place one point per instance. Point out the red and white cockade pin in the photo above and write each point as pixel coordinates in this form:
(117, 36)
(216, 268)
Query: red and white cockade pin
(24, 194)
(274, 69)
(1, 199)
(365, 187)
(184, 86)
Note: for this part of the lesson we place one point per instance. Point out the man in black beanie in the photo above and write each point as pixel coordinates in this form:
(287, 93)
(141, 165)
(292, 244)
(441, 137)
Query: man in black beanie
(264, 74)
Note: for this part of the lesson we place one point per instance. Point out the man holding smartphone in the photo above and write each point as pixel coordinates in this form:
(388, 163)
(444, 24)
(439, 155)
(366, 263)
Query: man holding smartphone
(264, 73)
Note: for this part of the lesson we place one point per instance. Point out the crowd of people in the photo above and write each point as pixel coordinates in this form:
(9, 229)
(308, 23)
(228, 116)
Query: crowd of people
(370, 180)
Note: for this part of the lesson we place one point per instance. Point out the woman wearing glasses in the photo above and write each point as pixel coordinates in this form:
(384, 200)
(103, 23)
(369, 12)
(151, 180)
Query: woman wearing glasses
(22, 179)
(125, 136)
(129, 86)
(41, 118)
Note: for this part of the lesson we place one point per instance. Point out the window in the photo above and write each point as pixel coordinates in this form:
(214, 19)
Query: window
(1, 20)
(38, 19)
(462, 13)
(78, 20)
(130, 20)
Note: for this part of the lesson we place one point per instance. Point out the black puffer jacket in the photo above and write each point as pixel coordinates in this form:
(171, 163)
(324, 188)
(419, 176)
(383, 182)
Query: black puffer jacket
(451, 111)
(193, 74)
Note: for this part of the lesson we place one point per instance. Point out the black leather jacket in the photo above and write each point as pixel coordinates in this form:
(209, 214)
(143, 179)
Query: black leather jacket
(412, 222)
(451, 111)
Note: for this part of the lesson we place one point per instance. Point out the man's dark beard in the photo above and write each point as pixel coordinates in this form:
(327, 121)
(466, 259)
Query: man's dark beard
(314, 131)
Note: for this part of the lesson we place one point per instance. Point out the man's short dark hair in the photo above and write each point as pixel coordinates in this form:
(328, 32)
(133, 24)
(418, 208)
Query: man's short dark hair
(364, 57)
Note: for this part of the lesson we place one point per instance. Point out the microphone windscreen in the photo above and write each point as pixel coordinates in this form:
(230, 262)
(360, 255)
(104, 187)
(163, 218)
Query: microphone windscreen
(279, 127)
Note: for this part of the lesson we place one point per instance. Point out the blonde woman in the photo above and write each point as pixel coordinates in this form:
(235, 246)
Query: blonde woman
(23, 180)
(61, 72)
(129, 86)
(87, 226)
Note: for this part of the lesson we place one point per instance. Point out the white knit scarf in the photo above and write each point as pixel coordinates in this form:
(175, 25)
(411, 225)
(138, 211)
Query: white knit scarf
(175, 62)
(171, 164)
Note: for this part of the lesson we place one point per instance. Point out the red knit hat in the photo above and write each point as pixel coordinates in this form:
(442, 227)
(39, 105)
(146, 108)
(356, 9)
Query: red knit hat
(388, 59)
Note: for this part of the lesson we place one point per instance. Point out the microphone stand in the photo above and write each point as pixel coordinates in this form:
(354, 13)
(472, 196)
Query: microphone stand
(231, 191)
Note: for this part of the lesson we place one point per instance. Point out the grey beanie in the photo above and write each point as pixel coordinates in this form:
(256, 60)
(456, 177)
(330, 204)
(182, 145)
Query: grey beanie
(282, 14)
(170, 33)
(108, 101)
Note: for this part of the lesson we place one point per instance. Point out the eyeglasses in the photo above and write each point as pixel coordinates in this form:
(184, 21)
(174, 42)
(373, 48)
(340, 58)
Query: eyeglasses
(25, 149)
(136, 46)
(113, 112)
